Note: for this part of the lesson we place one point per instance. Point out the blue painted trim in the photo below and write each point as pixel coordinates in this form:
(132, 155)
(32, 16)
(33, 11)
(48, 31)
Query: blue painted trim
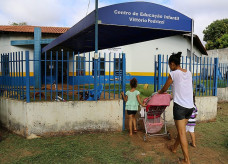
(29, 42)
(21, 42)
(46, 41)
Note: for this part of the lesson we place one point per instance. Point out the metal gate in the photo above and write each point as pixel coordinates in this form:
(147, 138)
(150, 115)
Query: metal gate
(205, 73)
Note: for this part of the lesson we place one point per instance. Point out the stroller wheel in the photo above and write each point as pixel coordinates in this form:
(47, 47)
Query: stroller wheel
(144, 138)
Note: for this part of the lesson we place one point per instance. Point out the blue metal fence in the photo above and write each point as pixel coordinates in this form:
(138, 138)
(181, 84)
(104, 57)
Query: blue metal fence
(63, 76)
(223, 75)
(205, 72)
(12, 79)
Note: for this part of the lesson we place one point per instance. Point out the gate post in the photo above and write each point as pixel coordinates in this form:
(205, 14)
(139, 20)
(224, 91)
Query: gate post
(155, 74)
(124, 86)
(215, 76)
(159, 72)
(27, 77)
(95, 75)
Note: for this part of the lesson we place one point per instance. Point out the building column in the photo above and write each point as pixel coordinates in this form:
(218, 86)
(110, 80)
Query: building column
(37, 56)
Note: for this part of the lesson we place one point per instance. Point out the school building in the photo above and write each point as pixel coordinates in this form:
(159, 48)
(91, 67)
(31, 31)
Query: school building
(139, 56)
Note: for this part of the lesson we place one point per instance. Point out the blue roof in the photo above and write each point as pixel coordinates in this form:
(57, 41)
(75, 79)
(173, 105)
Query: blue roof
(123, 24)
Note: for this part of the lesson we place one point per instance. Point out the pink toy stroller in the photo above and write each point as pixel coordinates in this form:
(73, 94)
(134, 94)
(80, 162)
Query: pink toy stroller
(156, 105)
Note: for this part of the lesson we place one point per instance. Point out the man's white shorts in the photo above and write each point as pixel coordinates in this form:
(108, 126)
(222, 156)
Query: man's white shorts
(190, 128)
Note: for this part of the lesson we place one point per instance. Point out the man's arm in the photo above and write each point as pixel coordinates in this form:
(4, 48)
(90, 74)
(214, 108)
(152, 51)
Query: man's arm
(166, 86)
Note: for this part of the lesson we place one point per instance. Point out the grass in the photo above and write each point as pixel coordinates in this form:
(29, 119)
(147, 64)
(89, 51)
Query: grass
(215, 134)
(84, 148)
(112, 147)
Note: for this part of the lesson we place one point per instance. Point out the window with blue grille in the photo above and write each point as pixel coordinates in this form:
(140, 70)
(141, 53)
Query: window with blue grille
(118, 66)
(101, 67)
(5, 65)
(80, 66)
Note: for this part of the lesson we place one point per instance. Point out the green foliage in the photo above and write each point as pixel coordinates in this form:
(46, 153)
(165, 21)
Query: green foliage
(223, 41)
(216, 34)
(18, 24)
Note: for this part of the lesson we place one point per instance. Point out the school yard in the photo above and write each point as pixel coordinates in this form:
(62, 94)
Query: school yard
(118, 147)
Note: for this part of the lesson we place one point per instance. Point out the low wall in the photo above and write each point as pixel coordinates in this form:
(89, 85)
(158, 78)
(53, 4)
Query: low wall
(222, 94)
(207, 109)
(13, 115)
(43, 118)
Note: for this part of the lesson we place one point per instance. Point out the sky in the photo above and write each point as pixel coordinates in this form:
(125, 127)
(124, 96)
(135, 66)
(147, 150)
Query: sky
(66, 13)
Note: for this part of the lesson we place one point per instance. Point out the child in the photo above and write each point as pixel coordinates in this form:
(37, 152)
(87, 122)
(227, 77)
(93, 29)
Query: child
(192, 123)
(132, 100)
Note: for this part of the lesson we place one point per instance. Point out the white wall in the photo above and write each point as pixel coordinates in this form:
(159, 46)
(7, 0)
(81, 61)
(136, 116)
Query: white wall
(222, 54)
(140, 56)
(207, 109)
(43, 118)
(13, 115)
(5, 46)
(222, 94)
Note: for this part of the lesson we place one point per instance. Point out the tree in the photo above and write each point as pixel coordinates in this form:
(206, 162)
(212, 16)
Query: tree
(223, 41)
(216, 34)
(18, 24)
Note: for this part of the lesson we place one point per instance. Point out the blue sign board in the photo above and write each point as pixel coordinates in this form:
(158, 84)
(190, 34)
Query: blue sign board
(145, 15)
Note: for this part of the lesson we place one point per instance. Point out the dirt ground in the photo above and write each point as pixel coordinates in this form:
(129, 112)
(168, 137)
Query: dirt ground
(157, 146)
(119, 147)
